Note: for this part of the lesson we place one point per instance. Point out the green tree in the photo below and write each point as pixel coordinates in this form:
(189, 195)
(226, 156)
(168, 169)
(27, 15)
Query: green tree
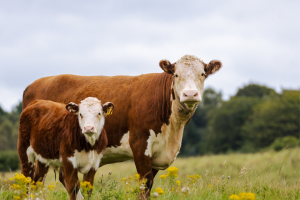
(255, 90)
(274, 118)
(225, 123)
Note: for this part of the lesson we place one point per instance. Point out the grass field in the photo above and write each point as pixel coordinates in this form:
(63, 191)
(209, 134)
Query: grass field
(269, 175)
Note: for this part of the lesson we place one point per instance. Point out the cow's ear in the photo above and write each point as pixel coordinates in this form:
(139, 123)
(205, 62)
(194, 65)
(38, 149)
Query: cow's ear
(108, 108)
(72, 108)
(167, 66)
(212, 67)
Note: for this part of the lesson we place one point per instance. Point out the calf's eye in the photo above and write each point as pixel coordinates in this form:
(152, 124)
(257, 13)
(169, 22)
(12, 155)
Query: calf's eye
(80, 115)
(99, 114)
(176, 75)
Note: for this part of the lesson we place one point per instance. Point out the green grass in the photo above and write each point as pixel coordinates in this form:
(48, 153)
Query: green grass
(270, 175)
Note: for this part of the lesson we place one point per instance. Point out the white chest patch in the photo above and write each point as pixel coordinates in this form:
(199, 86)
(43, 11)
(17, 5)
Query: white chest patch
(85, 161)
(119, 153)
(32, 155)
(164, 147)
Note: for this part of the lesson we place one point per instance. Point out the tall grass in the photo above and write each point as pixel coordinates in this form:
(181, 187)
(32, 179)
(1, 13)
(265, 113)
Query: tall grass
(269, 175)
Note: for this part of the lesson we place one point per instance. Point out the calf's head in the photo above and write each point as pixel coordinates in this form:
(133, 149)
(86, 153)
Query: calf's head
(91, 116)
(189, 74)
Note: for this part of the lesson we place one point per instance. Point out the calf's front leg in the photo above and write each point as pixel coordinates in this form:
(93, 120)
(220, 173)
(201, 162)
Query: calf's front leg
(72, 183)
(89, 177)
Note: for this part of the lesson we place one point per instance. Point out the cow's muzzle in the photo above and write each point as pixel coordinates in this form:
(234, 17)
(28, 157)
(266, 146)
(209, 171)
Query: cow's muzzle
(190, 97)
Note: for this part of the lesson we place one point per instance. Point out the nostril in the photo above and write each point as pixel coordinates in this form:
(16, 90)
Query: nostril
(196, 94)
(184, 95)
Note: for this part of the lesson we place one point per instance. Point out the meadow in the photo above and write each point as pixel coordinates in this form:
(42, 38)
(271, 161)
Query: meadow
(265, 175)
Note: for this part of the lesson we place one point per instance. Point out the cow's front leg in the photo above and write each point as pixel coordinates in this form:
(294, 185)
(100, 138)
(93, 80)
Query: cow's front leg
(71, 180)
(143, 164)
(89, 177)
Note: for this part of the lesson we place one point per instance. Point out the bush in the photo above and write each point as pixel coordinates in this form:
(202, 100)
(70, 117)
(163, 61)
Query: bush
(9, 160)
(288, 141)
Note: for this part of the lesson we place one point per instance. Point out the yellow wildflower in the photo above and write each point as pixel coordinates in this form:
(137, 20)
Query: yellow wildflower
(178, 183)
(172, 171)
(163, 176)
(33, 187)
(235, 197)
(17, 197)
(159, 190)
(136, 176)
(32, 196)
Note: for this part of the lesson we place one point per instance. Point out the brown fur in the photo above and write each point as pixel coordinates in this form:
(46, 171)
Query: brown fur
(142, 103)
(53, 132)
(212, 67)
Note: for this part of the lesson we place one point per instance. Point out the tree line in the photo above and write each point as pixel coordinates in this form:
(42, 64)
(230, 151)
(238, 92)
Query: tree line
(249, 121)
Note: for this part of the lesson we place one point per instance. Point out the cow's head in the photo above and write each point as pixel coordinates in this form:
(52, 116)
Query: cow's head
(189, 74)
(91, 116)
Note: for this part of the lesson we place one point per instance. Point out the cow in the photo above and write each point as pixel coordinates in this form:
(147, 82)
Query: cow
(151, 109)
(70, 138)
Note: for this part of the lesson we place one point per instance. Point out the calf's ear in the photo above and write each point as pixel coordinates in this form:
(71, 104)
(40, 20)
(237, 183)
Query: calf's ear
(167, 66)
(72, 107)
(212, 67)
(108, 108)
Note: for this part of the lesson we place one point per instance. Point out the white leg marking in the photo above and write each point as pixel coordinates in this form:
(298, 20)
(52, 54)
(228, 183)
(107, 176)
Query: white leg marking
(79, 196)
(30, 155)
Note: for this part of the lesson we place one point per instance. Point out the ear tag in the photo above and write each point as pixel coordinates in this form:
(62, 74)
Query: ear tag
(109, 112)
(166, 69)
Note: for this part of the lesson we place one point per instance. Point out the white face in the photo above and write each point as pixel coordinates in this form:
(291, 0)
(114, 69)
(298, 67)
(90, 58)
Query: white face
(91, 118)
(188, 80)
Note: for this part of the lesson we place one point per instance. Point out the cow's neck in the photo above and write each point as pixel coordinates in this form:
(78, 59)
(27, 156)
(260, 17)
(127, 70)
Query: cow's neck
(173, 132)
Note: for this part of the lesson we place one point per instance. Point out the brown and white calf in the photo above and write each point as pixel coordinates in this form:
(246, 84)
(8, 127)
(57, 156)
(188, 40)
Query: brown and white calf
(151, 109)
(70, 138)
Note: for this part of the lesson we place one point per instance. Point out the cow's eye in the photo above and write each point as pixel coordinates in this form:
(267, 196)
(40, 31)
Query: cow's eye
(80, 115)
(202, 74)
(176, 75)
(99, 113)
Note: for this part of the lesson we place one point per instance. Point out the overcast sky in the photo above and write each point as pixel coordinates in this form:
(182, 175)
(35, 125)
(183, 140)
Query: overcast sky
(256, 40)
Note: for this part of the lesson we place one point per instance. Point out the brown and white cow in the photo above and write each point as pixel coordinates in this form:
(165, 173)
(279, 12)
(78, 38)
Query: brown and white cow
(151, 109)
(70, 138)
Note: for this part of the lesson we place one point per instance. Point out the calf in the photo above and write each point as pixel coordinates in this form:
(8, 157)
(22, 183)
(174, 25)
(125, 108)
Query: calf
(70, 138)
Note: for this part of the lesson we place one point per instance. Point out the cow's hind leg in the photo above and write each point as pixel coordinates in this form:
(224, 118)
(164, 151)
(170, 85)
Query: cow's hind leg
(26, 156)
(61, 177)
(40, 171)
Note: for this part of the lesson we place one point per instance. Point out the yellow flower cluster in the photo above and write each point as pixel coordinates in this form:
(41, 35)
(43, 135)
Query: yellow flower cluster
(163, 176)
(178, 183)
(86, 185)
(172, 171)
(51, 187)
(159, 190)
(243, 196)
(21, 179)
(193, 178)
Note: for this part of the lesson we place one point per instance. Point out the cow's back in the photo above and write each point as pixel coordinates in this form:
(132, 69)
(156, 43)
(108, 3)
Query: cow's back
(134, 97)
